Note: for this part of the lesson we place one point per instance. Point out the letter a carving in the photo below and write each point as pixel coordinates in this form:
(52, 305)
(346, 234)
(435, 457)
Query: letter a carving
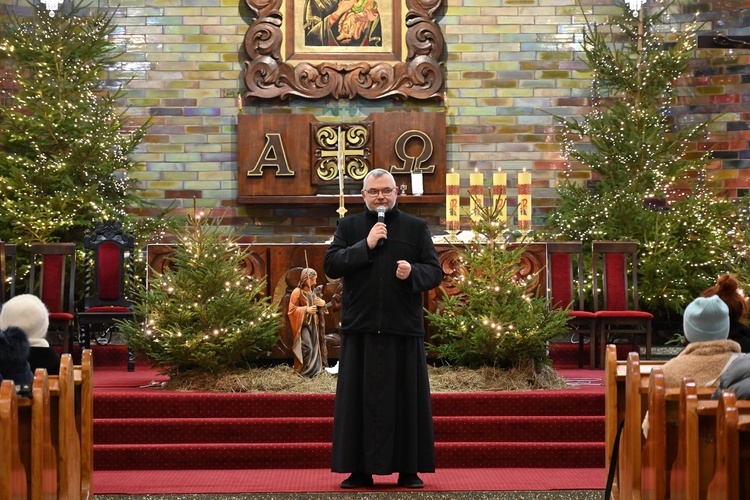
(273, 155)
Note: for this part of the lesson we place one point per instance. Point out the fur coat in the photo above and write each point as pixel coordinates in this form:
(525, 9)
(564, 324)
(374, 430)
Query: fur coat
(702, 361)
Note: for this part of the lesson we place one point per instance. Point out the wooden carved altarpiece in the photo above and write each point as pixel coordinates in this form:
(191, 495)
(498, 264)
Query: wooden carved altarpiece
(281, 66)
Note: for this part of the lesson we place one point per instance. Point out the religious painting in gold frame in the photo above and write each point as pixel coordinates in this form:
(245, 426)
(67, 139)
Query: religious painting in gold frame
(343, 49)
(346, 30)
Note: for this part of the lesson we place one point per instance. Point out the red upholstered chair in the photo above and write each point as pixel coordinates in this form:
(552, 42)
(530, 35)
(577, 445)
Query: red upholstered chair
(565, 288)
(7, 271)
(52, 278)
(615, 275)
(109, 270)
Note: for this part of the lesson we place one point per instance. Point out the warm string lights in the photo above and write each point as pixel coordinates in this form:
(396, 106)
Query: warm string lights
(75, 154)
(649, 180)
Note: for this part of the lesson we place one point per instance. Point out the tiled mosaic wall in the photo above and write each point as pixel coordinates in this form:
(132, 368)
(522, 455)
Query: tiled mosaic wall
(509, 64)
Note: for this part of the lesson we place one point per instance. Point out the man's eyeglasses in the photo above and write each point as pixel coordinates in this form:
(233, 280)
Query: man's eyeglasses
(374, 192)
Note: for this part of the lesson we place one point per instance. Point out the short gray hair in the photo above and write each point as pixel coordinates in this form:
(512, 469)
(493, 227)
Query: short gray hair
(376, 173)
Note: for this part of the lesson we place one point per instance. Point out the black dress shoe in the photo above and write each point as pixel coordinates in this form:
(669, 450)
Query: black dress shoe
(357, 480)
(410, 481)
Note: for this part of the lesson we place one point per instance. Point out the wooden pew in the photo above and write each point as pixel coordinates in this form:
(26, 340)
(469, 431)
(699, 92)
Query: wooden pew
(630, 441)
(654, 456)
(65, 436)
(615, 381)
(55, 437)
(694, 467)
(725, 484)
(74, 389)
(84, 380)
(660, 449)
(38, 453)
(743, 427)
(12, 473)
(730, 479)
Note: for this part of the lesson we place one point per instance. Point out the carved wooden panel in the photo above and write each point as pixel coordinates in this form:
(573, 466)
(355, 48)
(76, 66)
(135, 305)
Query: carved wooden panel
(417, 75)
(352, 142)
(293, 159)
(273, 155)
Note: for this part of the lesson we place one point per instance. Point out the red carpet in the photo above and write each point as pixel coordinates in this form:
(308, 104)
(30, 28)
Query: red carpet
(153, 441)
(323, 480)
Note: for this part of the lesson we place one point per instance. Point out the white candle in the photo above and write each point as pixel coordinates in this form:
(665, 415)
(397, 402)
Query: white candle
(500, 194)
(524, 200)
(452, 201)
(476, 192)
(417, 186)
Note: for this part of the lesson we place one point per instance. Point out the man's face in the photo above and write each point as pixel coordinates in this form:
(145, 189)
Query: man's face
(373, 192)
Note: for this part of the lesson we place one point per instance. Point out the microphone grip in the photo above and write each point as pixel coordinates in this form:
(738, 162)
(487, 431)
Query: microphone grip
(381, 218)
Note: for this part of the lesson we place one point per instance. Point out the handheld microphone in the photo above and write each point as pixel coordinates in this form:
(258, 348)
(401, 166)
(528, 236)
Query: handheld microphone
(381, 218)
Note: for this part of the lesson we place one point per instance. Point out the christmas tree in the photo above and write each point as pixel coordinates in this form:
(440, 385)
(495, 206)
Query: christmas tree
(651, 186)
(494, 320)
(65, 147)
(203, 313)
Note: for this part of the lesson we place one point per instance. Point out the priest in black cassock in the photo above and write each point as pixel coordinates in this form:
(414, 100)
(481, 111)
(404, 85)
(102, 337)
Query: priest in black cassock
(383, 414)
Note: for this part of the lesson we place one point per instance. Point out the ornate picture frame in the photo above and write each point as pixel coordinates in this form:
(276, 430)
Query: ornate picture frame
(376, 56)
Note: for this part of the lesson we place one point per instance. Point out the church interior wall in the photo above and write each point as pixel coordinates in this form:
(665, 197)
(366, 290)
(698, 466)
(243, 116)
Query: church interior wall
(509, 66)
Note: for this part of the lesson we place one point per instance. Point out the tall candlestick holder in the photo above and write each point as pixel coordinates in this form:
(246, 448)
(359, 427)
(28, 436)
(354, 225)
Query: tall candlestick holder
(453, 229)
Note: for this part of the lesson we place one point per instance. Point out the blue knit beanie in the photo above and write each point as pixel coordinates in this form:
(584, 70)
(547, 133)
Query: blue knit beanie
(706, 319)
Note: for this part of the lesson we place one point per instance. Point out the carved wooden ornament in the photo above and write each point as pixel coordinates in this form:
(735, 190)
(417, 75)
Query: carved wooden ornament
(270, 74)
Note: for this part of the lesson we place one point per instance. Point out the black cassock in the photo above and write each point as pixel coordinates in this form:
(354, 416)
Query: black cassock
(383, 412)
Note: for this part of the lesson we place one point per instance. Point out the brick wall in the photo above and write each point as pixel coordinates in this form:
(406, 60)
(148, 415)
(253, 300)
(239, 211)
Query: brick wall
(509, 66)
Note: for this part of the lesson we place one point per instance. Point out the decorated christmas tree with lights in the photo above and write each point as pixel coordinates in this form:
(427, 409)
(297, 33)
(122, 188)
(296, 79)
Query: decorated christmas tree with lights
(64, 147)
(496, 319)
(203, 313)
(651, 183)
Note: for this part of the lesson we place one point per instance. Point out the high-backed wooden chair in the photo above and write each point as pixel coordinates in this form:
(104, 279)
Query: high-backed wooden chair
(109, 270)
(615, 263)
(565, 288)
(52, 279)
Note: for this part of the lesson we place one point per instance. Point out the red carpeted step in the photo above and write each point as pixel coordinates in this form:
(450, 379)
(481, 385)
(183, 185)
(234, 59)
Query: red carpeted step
(562, 402)
(551, 429)
(318, 455)
(315, 429)
(157, 404)
(153, 429)
(512, 454)
(212, 456)
(212, 430)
